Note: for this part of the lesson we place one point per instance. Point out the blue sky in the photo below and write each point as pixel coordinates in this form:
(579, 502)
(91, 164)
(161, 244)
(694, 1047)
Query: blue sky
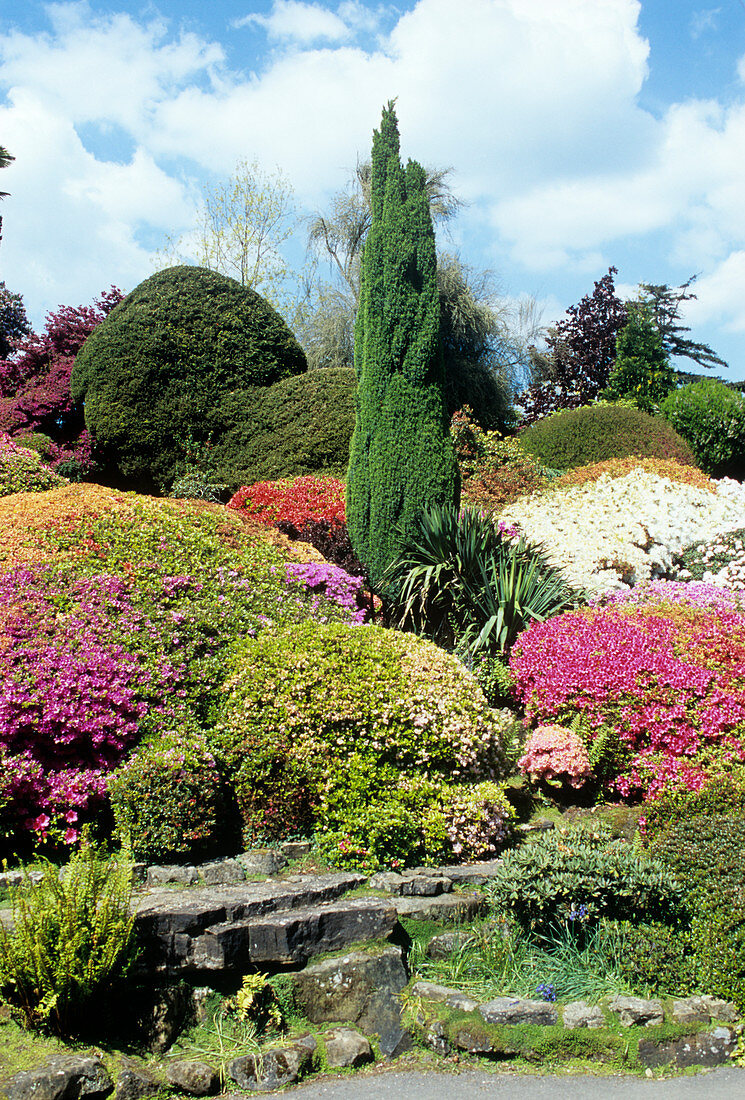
(582, 133)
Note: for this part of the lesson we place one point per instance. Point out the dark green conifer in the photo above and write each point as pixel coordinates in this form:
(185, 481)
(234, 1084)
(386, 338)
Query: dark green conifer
(401, 458)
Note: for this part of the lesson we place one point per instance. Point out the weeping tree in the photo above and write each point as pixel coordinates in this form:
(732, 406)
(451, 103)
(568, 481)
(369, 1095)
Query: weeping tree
(402, 458)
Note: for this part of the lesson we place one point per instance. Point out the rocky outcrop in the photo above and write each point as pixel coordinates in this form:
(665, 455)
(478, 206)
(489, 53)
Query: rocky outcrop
(63, 1078)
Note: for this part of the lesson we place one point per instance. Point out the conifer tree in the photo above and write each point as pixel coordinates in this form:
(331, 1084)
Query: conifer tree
(642, 370)
(402, 458)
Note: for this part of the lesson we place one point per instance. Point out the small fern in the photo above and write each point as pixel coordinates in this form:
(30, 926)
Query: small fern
(72, 938)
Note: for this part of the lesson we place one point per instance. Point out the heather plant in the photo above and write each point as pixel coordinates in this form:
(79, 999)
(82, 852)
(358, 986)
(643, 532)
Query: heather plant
(660, 676)
(71, 944)
(578, 876)
(168, 800)
(22, 470)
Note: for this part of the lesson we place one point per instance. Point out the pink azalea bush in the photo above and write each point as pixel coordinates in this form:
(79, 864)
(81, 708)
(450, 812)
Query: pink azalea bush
(553, 752)
(667, 678)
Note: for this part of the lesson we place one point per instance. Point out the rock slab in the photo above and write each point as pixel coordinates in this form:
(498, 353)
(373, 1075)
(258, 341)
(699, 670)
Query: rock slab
(192, 1077)
(347, 1049)
(637, 1012)
(273, 1068)
(518, 1010)
(705, 1048)
(61, 1079)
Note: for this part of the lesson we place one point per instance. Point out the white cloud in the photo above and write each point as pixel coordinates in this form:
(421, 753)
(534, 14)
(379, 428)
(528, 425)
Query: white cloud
(721, 295)
(534, 103)
(704, 20)
(303, 23)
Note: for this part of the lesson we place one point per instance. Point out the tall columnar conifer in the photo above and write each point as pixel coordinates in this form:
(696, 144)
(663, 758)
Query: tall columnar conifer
(402, 458)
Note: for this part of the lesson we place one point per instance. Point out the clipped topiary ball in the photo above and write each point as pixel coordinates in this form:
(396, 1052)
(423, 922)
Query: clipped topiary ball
(155, 374)
(594, 433)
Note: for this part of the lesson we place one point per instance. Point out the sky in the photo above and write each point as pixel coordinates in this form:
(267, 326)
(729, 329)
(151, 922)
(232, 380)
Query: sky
(581, 133)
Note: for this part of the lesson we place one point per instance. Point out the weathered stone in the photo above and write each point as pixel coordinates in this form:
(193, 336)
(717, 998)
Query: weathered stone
(705, 1048)
(295, 849)
(170, 923)
(435, 1037)
(346, 1048)
(272, 1069)
(387, 881)
(634, 1011)
(195, 1078)
(518, 1010)
(221, 872)
(170, 1009)
(441, 947)
(262, 861)
(171, 875)
(357, 988)
(466, 874)
(475, 1040)
(721, 1010)
(580, 1014)
(61, 1079)
(425, 886)
(429, 991)
(691, 1010)
(296, 936)
(135, 1081)
(445, 908)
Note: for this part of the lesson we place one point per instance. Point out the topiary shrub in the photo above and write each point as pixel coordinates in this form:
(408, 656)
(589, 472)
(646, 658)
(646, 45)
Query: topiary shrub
(160, 367)
(711, 418)
(581, 875)
(300, 425)
(594, 433)
(22, 470)
(312, 697)
(167, 800)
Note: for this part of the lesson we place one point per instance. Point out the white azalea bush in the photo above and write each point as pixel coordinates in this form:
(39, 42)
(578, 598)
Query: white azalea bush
(621, 531)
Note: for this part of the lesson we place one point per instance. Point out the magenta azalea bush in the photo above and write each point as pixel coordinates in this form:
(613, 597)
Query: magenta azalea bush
(665, 676)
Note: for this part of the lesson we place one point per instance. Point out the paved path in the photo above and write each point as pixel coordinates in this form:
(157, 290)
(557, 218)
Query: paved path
(727, 1083)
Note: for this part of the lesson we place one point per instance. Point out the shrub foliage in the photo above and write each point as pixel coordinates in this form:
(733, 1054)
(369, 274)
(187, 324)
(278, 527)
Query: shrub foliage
(595, 433)
(160, 367)
(711, 418)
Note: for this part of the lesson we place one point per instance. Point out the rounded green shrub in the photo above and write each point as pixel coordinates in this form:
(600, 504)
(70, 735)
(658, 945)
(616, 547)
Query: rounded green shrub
(594, 433)
(311, 699)
(22, 470)
(711, 418)
(157, 371)
(581, 875)
(167, 799)
(300, 425)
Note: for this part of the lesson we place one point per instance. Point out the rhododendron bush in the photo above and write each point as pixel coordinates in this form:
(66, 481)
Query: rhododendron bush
(666, 676)
(295, 501)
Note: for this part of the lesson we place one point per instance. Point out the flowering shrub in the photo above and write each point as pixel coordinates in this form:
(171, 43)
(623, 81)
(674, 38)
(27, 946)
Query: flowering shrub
(624, 530)
(22, 471)
(720, 561)
(125, 633)
(494, 470)
(295, 501)
(668, 468)
(312, 697)
(333, 583)
(35, 381)
(553, 752)
(167, 799)
(666, 678)
(470, 822)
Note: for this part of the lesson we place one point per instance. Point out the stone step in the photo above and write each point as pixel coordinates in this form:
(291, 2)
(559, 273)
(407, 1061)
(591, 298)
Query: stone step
(282, 938)
(446, 908)
(168, 921)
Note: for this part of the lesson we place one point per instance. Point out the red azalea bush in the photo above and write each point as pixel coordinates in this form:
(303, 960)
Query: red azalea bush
(553, 752)
(667, 681)
(297, 501)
